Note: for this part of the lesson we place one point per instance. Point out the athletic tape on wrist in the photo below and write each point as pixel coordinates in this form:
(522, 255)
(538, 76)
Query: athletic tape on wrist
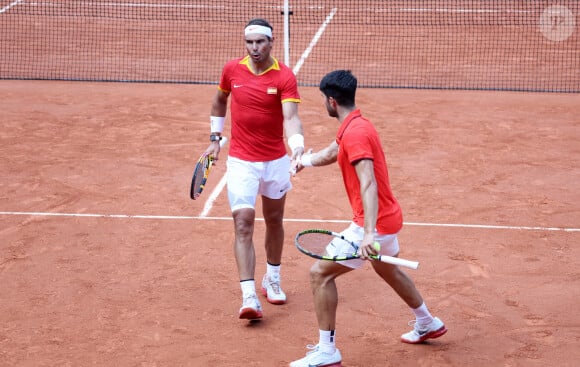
(296, 141)
(216, 124)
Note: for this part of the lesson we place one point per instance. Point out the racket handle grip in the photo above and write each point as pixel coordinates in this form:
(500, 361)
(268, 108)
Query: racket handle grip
(397, 261)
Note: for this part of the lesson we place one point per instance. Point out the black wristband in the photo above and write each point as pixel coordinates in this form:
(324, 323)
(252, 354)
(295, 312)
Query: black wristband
(214, 137)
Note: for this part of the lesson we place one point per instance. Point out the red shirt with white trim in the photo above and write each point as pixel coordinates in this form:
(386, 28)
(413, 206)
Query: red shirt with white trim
(257, 132)
(358, 139)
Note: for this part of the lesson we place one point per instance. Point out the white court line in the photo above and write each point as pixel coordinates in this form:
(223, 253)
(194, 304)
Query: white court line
(458, 10)
(8, 7)
(182, 217)
(214, 194)
(217, 190)
(314, 41)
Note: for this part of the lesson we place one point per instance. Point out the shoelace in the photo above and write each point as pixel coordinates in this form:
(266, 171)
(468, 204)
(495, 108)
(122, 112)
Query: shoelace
(275, 287)
(275, 284)
(419, 329)
(249, 301)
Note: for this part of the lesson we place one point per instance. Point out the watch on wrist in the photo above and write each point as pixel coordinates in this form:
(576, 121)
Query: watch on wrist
(214, 137)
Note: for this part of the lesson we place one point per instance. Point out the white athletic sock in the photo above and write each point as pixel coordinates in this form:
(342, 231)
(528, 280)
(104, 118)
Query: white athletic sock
(326, 342)
(248, 287)
(273, 270)
(422, 315)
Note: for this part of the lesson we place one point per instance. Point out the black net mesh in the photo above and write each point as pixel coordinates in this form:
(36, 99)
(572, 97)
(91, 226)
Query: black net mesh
(527, 45)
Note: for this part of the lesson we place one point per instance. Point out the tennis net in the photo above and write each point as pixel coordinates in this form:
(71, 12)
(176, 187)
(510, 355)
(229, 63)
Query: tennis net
(521, 45)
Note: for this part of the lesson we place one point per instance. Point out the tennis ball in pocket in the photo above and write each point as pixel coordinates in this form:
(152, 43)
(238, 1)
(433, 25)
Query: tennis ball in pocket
(377, 246)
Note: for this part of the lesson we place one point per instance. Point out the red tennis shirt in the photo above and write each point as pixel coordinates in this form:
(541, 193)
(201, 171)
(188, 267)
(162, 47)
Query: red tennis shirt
(256, 108)
(358, 139)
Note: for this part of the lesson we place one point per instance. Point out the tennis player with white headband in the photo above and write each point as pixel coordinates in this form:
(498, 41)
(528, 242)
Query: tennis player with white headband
(258, 29)
(264, 109)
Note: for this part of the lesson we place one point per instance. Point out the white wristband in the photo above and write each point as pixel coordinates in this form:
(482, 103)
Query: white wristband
(306, 160)
(296, 141)
(216, 124)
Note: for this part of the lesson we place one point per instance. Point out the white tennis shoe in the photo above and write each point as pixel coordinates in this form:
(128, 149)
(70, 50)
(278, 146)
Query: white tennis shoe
(272, 290)
(420, 333)
(317, 358)
(251, 308)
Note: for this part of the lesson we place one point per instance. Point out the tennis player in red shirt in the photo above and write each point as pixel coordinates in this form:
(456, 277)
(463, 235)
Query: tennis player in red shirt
(377, 217)
(264, 109)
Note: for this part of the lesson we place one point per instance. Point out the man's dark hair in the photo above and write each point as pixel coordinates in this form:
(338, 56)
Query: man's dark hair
(340, 85)
(260, 21)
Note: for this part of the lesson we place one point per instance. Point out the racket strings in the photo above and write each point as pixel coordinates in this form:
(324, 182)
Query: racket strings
(322, 244)
(316, 243)
(200, 175)
(331, 246)
(198, 181)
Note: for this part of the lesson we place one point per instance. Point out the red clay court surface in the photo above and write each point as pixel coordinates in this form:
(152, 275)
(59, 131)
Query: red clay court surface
(489, 183)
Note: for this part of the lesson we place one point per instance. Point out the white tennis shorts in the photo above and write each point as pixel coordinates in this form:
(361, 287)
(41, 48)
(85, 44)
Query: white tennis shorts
(246, 180)
(355, 233)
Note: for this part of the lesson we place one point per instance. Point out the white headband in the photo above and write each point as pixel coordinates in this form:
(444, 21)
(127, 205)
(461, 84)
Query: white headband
(260, 29)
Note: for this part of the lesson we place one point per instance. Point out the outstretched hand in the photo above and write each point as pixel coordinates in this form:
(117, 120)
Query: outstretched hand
(296, 164)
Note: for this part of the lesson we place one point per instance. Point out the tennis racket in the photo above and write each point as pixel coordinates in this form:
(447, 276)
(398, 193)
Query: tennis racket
(201, 173)
(313, 242)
